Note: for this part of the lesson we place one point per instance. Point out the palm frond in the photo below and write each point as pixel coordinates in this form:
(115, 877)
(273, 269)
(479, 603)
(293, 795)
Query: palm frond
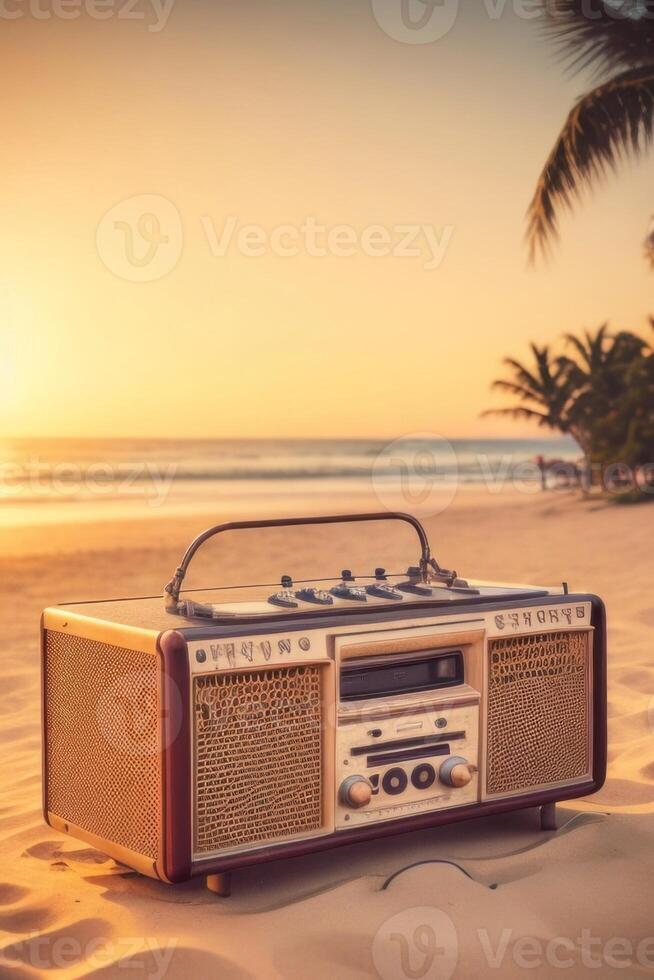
(613, 120)
(627, 346)
(519, 412)
(592, 348)
(607, 35)
(648, 245)
(510, 388)
(524, 375)
(543, 365)
(580, 347)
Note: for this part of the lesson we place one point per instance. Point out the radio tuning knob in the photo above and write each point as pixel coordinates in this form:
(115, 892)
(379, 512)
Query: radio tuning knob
(355, 792)
(455, 772)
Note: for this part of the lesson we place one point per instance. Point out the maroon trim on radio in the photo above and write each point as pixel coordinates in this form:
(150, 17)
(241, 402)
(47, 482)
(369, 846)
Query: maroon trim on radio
(600, 692)
(176, 757)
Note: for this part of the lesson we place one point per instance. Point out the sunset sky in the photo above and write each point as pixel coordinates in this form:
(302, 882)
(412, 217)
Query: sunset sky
(268, 114)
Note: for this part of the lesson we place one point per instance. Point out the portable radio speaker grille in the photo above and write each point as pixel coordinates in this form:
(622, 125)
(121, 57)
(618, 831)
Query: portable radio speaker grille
(538, 710)
(102, 762)
(258, 756)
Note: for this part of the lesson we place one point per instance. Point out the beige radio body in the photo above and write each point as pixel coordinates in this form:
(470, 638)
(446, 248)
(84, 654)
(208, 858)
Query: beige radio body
(187, 738)
(205, 748)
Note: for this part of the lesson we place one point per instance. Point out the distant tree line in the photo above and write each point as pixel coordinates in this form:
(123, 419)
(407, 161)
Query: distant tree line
(600, 390)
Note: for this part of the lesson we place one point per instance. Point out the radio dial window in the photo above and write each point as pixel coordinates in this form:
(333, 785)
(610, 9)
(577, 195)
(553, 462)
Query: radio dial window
(428, 671)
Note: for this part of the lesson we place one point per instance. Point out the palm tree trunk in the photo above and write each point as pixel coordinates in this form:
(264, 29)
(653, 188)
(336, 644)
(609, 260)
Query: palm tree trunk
(586, 477)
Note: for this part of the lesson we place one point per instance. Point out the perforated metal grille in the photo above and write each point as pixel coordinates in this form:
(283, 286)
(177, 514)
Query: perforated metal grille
(538, 710)
(258, 768)
(103, 771)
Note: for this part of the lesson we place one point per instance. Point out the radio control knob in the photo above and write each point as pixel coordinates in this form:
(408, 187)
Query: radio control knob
(355, 792)
(455, 772)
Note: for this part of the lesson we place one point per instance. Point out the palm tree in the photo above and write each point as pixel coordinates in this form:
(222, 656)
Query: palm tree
(599, 373)
(601, 393)
(635, 416)
(613, 120)
(543, 390)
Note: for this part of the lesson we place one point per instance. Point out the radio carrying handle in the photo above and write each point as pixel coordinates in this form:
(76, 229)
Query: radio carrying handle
(428, 568)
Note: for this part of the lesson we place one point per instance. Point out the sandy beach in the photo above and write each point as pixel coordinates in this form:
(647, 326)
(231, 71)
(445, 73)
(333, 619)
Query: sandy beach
(505, 899)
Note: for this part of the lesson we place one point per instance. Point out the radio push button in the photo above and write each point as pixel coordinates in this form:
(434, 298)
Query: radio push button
(381, 589)
(455, 772)
(384, 592)
(355, 792)
(347, 590)
(284, 598)
(318, 597)
(394, 781)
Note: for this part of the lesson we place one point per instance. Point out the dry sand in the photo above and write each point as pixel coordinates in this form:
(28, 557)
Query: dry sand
(67, 911)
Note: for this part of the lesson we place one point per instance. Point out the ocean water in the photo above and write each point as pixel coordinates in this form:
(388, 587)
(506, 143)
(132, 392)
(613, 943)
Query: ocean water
(43, 480)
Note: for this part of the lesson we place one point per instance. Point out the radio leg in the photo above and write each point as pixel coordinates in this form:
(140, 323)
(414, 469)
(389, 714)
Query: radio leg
(548, 817)
(220, 884)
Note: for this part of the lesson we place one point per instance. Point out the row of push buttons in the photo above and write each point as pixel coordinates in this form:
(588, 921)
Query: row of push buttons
(346, 589)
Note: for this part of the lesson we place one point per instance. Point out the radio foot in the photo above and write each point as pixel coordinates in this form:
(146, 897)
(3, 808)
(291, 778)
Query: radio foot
(220, 884)
(548, 817)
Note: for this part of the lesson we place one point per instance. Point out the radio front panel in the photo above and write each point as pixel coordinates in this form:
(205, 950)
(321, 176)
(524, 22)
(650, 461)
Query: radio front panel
(301, 734)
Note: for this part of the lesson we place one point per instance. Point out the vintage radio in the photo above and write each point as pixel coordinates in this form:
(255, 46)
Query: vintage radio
(192, 738)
